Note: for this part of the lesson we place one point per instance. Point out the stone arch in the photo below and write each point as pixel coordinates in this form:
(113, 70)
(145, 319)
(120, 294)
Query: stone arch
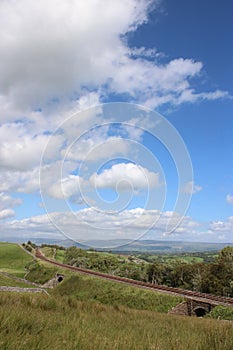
(60, 278)
(200, 311)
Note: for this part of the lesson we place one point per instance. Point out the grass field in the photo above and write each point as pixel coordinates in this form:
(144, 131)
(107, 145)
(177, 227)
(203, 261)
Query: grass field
(49, 252)
(106, 292)
(87, 313)
(52, 253)
(13, 259)
(30, 322)
(88, 288)
(39, 272)
(59, 256)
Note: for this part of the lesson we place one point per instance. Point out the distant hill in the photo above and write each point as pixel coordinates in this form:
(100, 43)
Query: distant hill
(123, 245)
(163, 246)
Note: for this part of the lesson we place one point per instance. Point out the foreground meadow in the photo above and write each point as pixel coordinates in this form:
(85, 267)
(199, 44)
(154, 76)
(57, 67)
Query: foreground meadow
(86, 313)
(31, 322)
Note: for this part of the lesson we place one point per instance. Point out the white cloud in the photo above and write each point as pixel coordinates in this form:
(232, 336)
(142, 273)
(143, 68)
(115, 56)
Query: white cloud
(60, 57)
(8, 202)
(229, 199)
(17, 181)
(218, 94)
(6, 214)
(6, 205)
(222, 230)
(126, 176)
(95, 147)
(92, 224)
(221, 225)
(51, 51)
(66, 188)
(19, 150)
(129, 224)
(191, 188)
(121, 177)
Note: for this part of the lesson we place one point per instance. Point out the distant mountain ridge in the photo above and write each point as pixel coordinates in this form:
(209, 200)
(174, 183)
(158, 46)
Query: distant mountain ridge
(123, 245)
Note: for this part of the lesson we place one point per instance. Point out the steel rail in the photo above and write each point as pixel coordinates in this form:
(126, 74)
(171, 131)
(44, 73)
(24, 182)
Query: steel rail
(188, 294)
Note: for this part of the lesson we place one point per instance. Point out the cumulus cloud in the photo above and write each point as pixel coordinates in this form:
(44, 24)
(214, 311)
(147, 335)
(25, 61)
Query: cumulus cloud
(126, 176)
(222, 229)
(19, 150)
(50, 49)
(6, 213)
(121, 177)
(66, 188)
(222, 226)
(20, 181)
(54, 50)
(48, 70)
(6, 205)
(97, 146)
(129, 224)
(8, 202)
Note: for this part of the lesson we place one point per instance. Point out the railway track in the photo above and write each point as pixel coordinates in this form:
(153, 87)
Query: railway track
(188, 294)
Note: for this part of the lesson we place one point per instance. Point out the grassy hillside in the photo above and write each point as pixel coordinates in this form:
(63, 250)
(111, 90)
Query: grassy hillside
(114, 264)
(30, 322)
(106, 292)
(89, 288)
(85, 312)
(13, 259)
(40, 272)
(11, 282)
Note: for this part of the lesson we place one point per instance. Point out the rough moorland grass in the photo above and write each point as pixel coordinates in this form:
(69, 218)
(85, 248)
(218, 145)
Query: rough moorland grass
(60, 254)
(30, 322)
(221, 313)
(115, 294)
(103, 291)
(90, 288)
(40, 272)
(52, 253)
(13, 259)
(48, 251)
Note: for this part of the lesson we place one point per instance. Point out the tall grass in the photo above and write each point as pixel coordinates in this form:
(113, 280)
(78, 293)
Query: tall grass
(60, 254)
(48, 251)
(29, 322)
(74, 316)
(112, 293)
(40, 272)
(221, 313)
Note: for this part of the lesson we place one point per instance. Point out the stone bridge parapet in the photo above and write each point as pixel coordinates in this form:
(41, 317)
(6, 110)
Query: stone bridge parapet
(192, 307)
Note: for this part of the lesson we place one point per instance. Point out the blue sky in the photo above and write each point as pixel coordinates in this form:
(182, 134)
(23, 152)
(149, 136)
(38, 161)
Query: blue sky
(80, 88)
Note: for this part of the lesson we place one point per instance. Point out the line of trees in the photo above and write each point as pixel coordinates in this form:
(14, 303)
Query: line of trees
(213, 277)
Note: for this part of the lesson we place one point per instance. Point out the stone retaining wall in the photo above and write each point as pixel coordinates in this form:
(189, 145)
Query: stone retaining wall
(24, 290)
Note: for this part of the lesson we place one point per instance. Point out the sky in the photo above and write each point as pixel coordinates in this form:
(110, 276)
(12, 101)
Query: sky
(116, 120)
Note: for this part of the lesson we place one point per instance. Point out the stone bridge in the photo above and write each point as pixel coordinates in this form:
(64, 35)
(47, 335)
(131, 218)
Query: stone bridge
(192, 307)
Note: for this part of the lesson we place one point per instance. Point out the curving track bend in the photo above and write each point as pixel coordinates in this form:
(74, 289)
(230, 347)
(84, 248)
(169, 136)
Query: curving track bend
(188, 294)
